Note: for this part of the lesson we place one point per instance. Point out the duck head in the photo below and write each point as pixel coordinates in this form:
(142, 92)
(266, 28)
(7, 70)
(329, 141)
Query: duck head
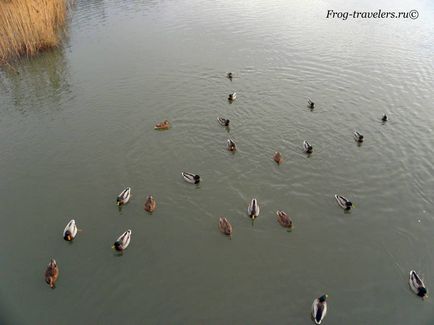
(422, 292)
(117, 246)
(196, 179)
(323, 298)
(67, 236)
(52, 264)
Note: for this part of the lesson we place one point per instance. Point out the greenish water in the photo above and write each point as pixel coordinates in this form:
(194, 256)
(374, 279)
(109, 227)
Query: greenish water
(76, 127)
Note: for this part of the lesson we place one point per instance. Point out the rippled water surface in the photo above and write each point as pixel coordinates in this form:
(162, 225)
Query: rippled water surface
(76, 127)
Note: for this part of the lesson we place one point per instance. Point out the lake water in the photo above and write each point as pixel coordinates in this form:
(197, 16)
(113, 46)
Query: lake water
(76, 128)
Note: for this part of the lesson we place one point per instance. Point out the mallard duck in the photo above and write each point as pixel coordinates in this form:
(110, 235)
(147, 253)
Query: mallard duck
(310, 103)
(124, 197)
(232, 96)
(278, 157)
(70, 231)
(223, 121)
(150, 204)
(319, 309)
(225, 227)
(52, 273)
(229, 75)
(231, 145)
(284, 219)
(191, 178)
(343, 202)
(123, 241)
(358, 137)
(417, 285)
(162, 125)
(253, 210)
(307, 147)
(384, 118)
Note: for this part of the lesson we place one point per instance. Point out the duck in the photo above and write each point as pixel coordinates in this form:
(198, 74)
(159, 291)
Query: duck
(162, 125)
(231, 145)
(223, 121)
(52, 273)
(284, 219)
(384, 118)
(123, 241)
(150, 204)
(343, 202)
(358, 137)
(310, 103)
(229, 75)
(191, 178)
(124, 197)
(319, 309)
(232, 96)
(70, 231)
(278, 157)
(225, 227)
(253, 210)
(417, 285)
(307, 147)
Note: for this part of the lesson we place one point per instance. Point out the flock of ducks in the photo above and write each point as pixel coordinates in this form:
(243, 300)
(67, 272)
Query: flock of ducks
(319, 306)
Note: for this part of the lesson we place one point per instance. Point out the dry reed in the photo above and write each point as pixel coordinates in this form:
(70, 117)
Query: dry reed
(29, 26)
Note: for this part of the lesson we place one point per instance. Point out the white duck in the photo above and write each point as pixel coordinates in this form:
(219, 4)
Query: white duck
(343, 202)
(191, 178)
(417, 285)
(124, 197)
(358, 136)
(70, 231)
(123, 241)
(307, 147)
(253, 210)
(319, 309)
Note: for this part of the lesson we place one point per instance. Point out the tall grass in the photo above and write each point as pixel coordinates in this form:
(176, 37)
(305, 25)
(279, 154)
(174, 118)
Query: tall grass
(29, 26)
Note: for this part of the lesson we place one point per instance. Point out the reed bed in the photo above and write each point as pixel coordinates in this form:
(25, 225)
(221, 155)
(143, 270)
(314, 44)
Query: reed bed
(29, 26)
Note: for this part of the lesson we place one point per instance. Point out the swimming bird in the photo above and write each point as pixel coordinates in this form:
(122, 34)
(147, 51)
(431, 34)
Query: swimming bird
(191, 178)
(70, 231)
(253, 210)
(417, 285)
(162, 125)
(225, 227)
(232, 97)
(124, 197)
(319, 309)
(229, 75)
(278, 157)
(343, 202)
(310, 103)
(150, 204)
(123, 241)
(52, 273)
(284, 219)
(223, 121)
(307, 147)
(384, 118)
(358, 137)
(231, 145)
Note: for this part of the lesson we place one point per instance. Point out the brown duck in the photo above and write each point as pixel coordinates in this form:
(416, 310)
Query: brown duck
(51, 273)
(278, 157)
(150, 204)
(225, 227)
(284, 219)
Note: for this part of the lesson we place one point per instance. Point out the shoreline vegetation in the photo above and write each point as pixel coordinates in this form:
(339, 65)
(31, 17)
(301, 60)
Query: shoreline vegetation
(28, 27)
